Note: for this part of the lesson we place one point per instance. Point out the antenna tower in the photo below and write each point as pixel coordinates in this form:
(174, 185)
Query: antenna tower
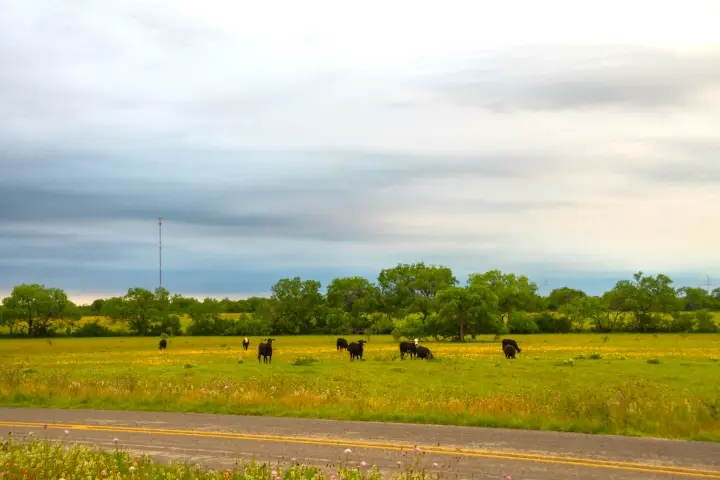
(160, 247)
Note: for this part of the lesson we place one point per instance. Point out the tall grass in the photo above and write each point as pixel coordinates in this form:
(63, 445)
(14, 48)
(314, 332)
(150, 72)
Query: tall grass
(55, 460)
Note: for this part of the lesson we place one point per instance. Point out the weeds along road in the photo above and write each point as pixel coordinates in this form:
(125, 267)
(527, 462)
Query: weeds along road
(218, 441)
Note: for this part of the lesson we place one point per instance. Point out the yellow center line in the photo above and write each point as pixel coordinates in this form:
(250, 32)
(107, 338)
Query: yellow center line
(462, 452)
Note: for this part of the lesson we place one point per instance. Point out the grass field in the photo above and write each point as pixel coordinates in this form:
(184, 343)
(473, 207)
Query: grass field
(656, 385)
(38, 460)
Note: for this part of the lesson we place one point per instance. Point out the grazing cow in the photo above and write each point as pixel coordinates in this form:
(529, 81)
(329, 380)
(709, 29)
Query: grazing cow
(341, 344)
(509, 351)
(265, 351)
(246, 343)
(163, 344)
(356, 349)
(407, 347)
(510, 341)
(423, 353)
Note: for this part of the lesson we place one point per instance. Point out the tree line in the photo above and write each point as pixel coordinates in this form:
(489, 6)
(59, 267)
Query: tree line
(408, 300)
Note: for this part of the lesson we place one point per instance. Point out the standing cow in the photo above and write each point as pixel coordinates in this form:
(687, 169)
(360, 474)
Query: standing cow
(356, 349)
(509, 351)
(341, 344)
(265, 351)
(246, 343)
(163, 344)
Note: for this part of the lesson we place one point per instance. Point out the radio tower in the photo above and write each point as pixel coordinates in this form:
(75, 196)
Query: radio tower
(708, 283)
(160, 247)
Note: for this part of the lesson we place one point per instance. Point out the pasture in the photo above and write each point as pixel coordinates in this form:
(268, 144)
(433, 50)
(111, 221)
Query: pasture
(663, 385)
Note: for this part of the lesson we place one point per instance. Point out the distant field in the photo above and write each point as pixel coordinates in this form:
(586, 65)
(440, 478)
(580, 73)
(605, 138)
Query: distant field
(469, 384)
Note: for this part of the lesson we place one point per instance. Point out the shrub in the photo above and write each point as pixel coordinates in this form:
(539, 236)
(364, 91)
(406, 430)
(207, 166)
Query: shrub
(595, 356)
(704, 322)
(518, 322)
(93, 329)
(548, 323)
(300, 361)
(653, 361)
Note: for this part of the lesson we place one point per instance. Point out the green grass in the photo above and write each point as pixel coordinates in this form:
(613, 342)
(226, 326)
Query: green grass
(54, 460)
(608, 387)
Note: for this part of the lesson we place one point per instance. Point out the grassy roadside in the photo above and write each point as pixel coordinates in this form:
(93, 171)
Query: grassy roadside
(34, 459)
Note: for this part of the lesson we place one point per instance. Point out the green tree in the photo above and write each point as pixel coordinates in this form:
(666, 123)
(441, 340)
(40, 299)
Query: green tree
(144, 311)
(38, 306)
(693, 298)
(648, 298)
(472, 309)
(412, 288)
(356, 297)
(562, 296)
(514, 293)
(298, 306)
(715, 295)
(7, 318)
(596, 310)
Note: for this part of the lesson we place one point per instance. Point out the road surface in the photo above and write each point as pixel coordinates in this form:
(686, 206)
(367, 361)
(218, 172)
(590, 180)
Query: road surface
(218, 441)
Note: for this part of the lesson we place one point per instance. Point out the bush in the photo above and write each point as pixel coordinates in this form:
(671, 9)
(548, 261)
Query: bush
(548, 323)
(518, 322)
(704, 322)
(680, 322)
(653, 361)
(409, 327)
(93, 329)
(381, 324)
(300, 361)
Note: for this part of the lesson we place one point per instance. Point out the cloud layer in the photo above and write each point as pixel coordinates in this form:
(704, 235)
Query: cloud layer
(276, 146)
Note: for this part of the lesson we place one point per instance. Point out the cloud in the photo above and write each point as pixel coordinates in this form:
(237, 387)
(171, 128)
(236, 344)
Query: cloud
(313, 148)
(688, 162)
(563, 77)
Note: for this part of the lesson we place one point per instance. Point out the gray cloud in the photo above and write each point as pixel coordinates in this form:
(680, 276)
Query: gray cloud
(335, 197)
(555, 78)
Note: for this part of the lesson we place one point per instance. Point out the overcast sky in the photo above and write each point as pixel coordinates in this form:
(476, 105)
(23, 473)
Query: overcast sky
(574, 142)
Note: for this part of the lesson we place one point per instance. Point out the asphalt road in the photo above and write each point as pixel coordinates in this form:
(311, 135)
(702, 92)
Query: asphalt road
(218, 441)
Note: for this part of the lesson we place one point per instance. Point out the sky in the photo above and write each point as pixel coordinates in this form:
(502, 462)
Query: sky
(572, 142)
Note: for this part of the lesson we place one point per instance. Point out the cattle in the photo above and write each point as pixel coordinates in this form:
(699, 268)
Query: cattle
(246, 343)
(407, 347)
(510, 341)
(265, 351)
(341, 344)
(163, 344)
(356, 349)
(509, 351)
(423, 353)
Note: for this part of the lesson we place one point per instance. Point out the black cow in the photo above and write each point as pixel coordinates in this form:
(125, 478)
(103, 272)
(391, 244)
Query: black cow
(163, 344)
(265, 351)
(407, 347)
(246, 343)
(356, 349)
(509, 351)
(423, 353)
(341, 344)
(510, 341)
